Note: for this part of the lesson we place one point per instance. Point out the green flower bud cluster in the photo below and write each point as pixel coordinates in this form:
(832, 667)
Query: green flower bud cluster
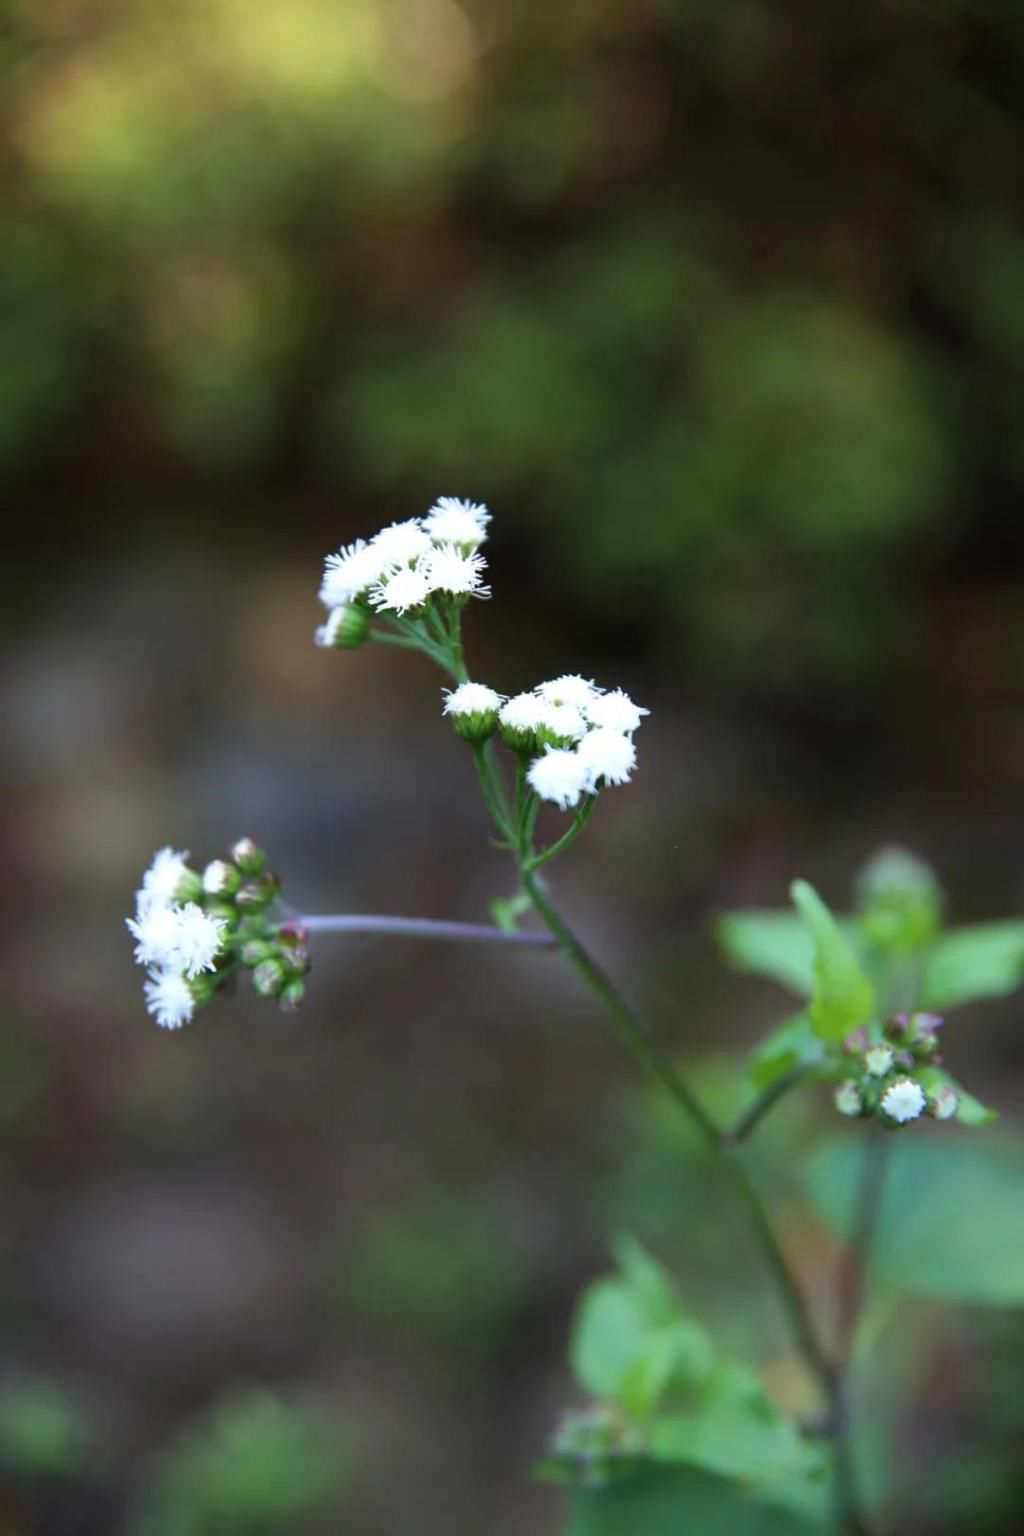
(595, 1445)
(900, 901)
(241, 891)
(894, 1079)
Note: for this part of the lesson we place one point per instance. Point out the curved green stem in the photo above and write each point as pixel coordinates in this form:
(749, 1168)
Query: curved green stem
(494, 807)
(538, 860)
(755, 1113)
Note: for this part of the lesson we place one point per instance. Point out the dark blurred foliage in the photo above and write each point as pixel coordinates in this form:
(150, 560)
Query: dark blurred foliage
(720, 308)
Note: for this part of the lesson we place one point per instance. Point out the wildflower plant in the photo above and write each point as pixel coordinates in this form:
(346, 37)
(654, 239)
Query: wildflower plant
(671, 1422)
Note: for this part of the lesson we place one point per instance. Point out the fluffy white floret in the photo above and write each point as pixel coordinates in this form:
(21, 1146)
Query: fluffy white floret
(401, 589)
(562, 720)
(450, 570)
(558, 776)
(162, 878)
(155, 927)
(570, 689)
(400, 544)
(200, 939)
(904, 1100)
(614, 711)
(169, 999)
(606, 755)
(352, 571)
(472, 699)
(523, 712)
(454, 521)
(180, 938)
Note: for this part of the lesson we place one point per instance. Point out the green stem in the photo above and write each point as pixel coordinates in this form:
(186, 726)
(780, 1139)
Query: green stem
(755, 1113)
(545, 856)
(412, 641)
(490, 797)
(676, 1086)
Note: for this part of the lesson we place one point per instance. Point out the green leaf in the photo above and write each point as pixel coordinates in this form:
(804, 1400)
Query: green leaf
(663, 1501)
(769, 943)
(736, 1431)
(790, 1044)
(843, 998)
(985, 960)
(630, 1339)
(952, 1217)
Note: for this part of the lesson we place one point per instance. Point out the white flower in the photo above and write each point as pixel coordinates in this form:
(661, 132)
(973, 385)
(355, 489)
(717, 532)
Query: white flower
(848, 1100)
(472, 699)
(450, 570)
(570, 689)
(608, 755)
(401, 589)
(169, 999)
(563, 721)
(878, 1060)
(523, 712)
(399, 544)
(351, 571)
(614, 711)
(558, 776)
(200, 939)
(156, 927)
(162, 878)
(904, 1100)
(177, 938)
(454, 521)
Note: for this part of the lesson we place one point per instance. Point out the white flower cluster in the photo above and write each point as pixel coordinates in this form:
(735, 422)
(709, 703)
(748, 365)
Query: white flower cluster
(401, 568)
(175, 939)
(579, 736)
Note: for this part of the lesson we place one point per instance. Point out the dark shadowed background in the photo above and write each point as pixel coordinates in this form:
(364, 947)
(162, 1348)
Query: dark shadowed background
(720, 307)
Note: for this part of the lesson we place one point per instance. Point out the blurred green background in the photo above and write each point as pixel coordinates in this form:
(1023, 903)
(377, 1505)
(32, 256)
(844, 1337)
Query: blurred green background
(719, 307)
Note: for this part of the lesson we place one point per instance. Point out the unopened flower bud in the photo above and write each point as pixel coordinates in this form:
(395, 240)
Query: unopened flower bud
(254, 951)
(291, 995)
(922, 1033)
(473, 710)
(221, 878)
(257, 893)
(189, 887)
(878, 1060)
(248, 856)
(848, 1100)
(900, 900)
(856, 1042)
(346, 628)
(943, 1103)
(223, 910)
(269, 978)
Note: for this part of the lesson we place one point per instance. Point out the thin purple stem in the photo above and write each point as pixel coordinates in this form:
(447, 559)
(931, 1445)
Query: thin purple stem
(421, 928)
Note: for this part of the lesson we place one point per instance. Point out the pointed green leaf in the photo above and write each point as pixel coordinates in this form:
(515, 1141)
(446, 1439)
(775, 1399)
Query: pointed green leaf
(769, 943)
(630, 1340)
(843, 998)
(985, 960)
